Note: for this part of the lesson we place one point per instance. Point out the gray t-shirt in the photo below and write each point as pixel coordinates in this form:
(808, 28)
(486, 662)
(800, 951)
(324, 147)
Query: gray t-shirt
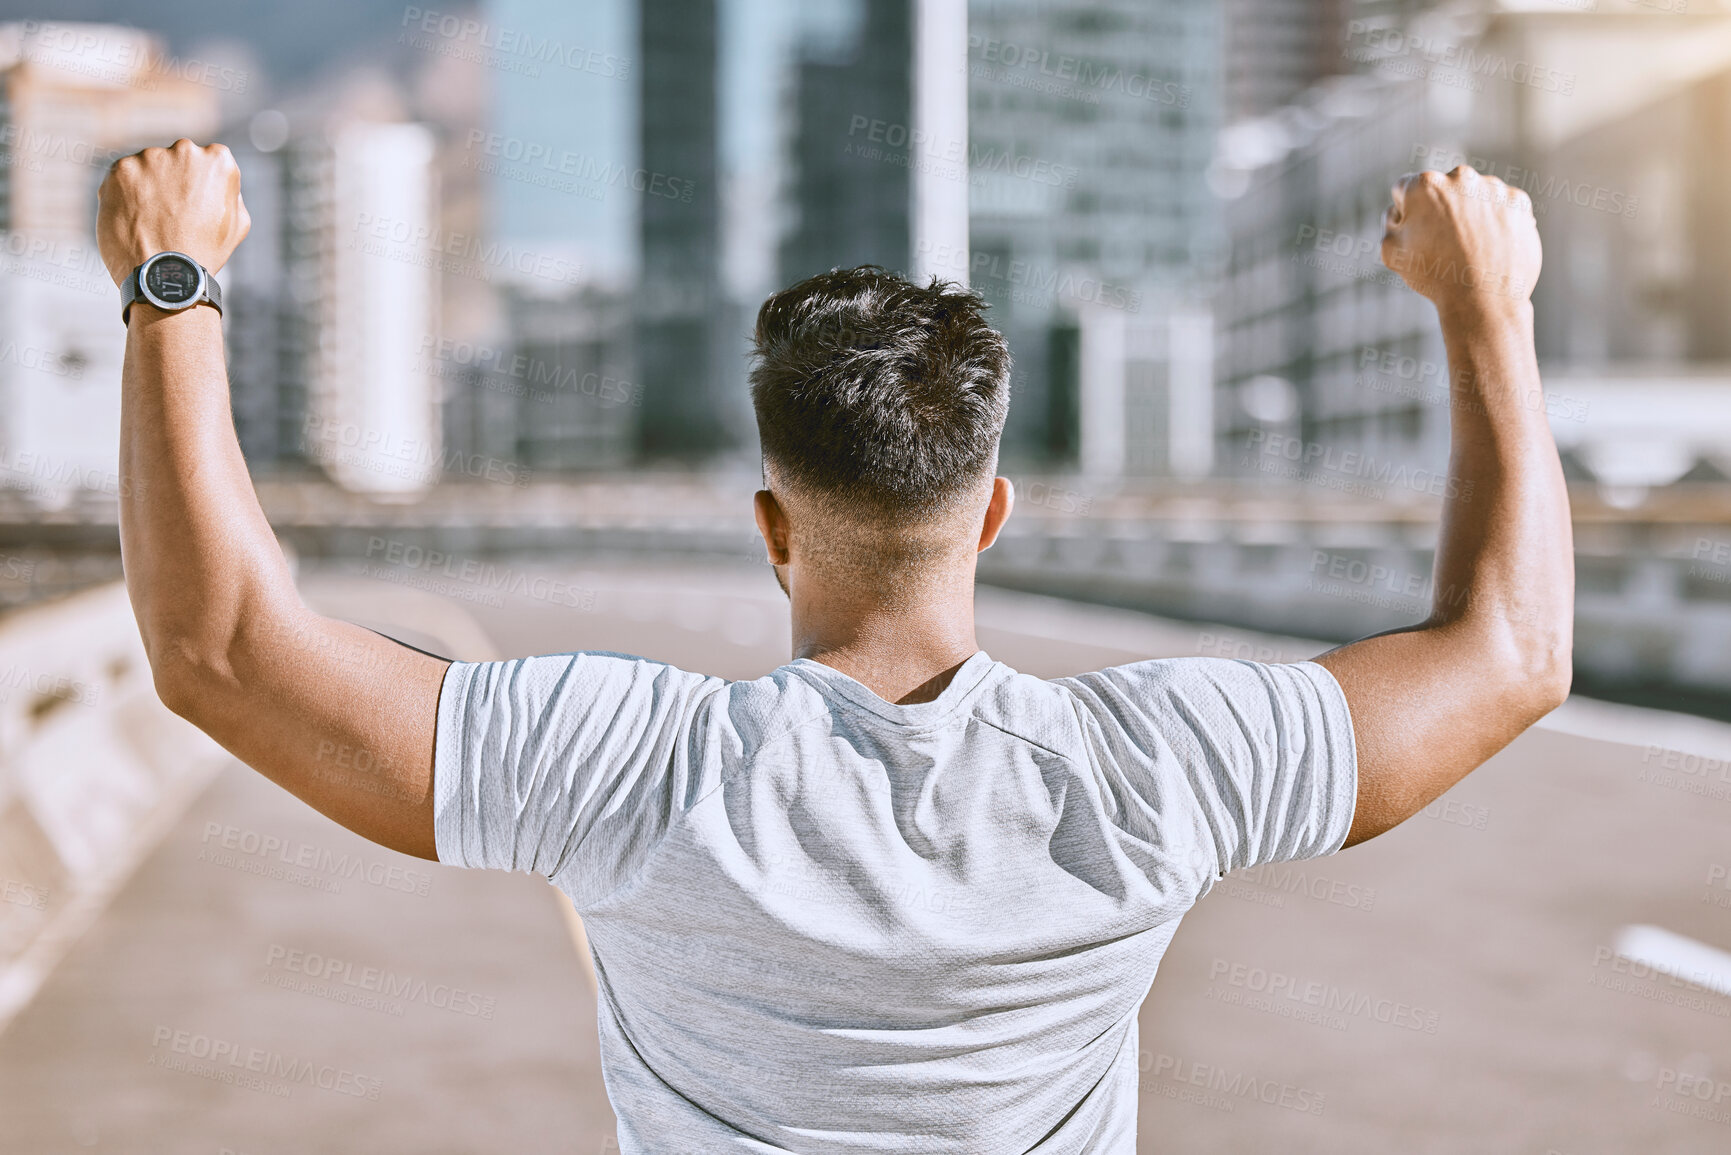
(822, 922)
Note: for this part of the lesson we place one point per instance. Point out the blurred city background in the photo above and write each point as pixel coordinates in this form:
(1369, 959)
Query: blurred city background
(487, 353)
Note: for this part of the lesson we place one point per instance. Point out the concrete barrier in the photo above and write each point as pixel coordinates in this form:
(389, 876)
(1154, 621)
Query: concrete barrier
(93, 768)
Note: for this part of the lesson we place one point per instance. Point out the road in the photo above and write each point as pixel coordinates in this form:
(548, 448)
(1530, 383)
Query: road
(1447, 988)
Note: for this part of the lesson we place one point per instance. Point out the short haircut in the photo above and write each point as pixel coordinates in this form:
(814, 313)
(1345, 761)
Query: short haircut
(880, 398)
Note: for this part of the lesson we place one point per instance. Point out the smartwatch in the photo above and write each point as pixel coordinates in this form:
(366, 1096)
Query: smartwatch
(170, 281)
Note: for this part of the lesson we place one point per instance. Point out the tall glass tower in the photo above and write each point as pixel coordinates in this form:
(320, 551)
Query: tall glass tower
(680, 319)
(1094, 233)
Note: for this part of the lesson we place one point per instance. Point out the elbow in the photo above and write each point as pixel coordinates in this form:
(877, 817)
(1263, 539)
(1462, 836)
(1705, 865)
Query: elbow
(174, 680)
(203, 670)
(1522, 666)
(183, 681)
(1549, 686)
(1540, 672)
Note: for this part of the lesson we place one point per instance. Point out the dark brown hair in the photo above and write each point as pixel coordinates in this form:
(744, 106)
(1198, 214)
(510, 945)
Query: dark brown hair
(877, 396)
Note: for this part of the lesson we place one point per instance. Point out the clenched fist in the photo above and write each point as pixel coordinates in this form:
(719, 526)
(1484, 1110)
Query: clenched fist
(1462, 239)
(185, 198)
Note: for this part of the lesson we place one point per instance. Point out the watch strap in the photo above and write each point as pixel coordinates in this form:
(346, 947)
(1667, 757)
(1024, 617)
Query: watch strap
(129, 293)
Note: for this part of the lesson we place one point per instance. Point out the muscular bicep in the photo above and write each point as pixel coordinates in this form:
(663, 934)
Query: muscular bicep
(1429, 705)
(341, 717)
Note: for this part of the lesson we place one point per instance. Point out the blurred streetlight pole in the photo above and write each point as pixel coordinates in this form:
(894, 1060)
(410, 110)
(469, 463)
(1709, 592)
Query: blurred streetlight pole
(939, 150)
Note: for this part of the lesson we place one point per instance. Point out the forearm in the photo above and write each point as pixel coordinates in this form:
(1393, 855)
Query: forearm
(1505, 560)
(201, 561)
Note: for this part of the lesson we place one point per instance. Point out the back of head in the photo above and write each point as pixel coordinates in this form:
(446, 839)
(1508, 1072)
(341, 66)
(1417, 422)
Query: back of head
(879, 406)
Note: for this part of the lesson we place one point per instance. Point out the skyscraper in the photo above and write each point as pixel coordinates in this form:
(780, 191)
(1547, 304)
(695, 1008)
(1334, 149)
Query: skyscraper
(680, 315)
(1306, 293)
(852, 151)
(1275, 49)
(1325, 344)
(1094, 233)
(368, 223)
(268, 401)
(76, 97)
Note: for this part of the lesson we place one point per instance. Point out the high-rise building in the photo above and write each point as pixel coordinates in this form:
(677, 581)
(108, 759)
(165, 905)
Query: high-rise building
(1325, 352)
(369, 281)
(556, 394)
(681, 317)
(554, 384)
(75, 97)
(851, 147)
(829, 164)
(1306, 292)
(1094, 233)
(365, 250)
(1275, 49)
(267, 400)
(577, 365)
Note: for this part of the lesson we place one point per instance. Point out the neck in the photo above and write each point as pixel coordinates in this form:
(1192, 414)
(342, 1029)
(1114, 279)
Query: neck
(904, 648)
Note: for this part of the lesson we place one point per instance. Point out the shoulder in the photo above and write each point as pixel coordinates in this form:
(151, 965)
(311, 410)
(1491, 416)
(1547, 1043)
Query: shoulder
(1198, 677)
(586, 678)
(1190, 700)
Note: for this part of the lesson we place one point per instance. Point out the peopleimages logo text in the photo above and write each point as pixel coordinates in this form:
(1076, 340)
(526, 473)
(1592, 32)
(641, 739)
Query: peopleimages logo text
(510, 42)
(581, 166)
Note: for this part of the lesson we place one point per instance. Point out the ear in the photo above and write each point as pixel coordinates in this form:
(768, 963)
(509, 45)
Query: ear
(772, 524)
(998, 511)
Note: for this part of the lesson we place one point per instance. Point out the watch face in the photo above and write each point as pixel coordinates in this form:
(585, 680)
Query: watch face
(172, 280)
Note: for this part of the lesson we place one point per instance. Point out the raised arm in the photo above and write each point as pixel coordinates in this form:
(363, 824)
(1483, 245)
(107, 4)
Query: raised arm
(336, 714)
(1431, 703)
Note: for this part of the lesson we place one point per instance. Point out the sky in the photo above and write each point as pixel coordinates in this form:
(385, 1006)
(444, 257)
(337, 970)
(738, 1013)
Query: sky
(589, 113)
(294, 39)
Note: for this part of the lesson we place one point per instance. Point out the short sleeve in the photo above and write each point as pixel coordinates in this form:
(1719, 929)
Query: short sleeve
(1237, 763)
(570, 764)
